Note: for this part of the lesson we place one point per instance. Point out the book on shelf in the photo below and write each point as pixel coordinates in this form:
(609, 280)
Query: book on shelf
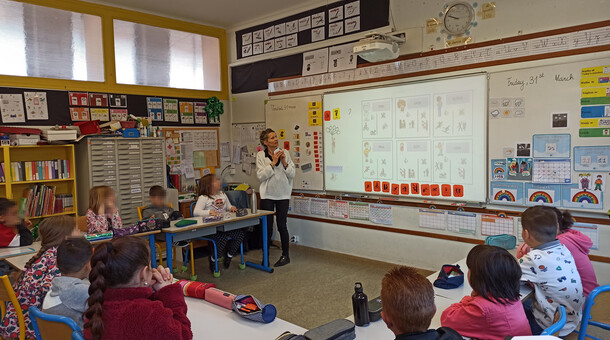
(40, 170)
(41, 200)
(2, 176)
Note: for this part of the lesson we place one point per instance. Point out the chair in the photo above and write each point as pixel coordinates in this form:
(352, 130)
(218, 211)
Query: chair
(560, 320)
(242, 264)
(586, 315)
(53, 327)
(160, 247)
(7, 294)
(81, 223)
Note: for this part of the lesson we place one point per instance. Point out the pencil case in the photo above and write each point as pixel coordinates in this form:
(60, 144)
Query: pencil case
(290, 336)
(503, 241)
(99, 237)
(149, 225)
(375, 309)
(209, 219)
(340, 329)
(194, 288)
(219, 297)
(120, 232)
(445, 278)
(254, 310)
(185, 223)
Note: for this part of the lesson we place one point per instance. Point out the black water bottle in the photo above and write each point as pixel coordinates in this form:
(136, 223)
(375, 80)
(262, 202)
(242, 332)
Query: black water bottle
(361, 306)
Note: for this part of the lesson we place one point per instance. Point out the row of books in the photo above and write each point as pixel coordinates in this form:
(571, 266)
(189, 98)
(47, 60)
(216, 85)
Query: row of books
(2, 176)
(40, 200)
(40, 170)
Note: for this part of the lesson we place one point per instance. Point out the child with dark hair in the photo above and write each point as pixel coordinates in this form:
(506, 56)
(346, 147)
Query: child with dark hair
(407, 300)
(13, 231)
(70, 291)
(551, 269)
(213, 202)
(157, 208)
(577, 243)
(39, 271)
(494, 308)
(129, 300)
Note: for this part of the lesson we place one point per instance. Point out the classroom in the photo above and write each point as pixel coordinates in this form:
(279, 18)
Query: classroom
(337, 169)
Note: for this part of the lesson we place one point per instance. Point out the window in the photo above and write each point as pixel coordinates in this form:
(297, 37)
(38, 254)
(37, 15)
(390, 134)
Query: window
(45, 42)
(154, 56)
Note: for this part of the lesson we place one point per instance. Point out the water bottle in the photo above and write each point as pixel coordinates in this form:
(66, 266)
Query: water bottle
(361, 306)
(253, 204)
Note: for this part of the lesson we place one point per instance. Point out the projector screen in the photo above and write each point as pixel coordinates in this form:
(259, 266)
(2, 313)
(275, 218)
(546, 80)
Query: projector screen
(424, 139)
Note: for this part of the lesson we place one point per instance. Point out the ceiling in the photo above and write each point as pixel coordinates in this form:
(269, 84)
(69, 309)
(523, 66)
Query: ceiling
(221, 13)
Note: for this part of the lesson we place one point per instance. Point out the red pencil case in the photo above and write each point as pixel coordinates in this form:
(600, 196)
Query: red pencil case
(219, 297)
(194, 288)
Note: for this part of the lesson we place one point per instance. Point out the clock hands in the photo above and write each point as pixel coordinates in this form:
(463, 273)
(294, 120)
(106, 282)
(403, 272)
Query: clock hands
(453, 17)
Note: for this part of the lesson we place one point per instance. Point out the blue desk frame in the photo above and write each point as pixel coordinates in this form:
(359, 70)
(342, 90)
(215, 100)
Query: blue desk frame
(227, 225)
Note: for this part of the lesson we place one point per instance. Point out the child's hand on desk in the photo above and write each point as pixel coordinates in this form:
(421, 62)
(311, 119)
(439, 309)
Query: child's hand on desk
(233, 209)
(214, 213)
(161, 277)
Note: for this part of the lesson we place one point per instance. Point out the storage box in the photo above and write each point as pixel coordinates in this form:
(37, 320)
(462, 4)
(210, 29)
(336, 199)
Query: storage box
(131, 133)
(89, 128)
(24, 139)
(59, 134)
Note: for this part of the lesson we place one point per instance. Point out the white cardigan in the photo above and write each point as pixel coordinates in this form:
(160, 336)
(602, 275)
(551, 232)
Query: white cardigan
(276, 181)
(219, 203)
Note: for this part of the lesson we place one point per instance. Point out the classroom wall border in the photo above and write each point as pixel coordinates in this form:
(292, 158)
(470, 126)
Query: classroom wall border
(515, 60)
(596, 258)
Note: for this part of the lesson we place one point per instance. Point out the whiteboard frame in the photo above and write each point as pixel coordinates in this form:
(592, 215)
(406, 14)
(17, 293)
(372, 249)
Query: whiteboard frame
(429, 199)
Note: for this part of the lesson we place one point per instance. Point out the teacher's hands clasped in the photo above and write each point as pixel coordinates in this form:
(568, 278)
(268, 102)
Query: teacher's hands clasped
(279, 155)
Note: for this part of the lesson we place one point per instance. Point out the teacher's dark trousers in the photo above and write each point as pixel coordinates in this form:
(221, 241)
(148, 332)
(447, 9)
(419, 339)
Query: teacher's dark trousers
(281, 215)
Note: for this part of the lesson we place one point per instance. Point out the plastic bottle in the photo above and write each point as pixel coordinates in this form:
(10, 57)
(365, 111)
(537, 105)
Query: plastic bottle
(361, 306)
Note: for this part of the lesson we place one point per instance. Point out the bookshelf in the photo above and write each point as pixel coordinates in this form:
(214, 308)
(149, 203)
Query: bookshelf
(44, 169)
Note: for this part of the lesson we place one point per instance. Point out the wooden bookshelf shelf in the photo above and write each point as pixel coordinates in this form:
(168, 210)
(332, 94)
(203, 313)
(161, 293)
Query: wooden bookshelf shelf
(51, 189)
(45, 181)
(58, 214)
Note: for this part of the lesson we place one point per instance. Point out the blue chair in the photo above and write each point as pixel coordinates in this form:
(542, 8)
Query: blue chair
(558, 325)
(242, 264)
(586, 314)
(48, 327)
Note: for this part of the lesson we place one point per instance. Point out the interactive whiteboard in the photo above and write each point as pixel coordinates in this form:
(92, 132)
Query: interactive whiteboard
(423, 139)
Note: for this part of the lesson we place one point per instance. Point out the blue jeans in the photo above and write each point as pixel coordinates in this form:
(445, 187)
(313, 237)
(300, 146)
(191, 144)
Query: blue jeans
(534, 326)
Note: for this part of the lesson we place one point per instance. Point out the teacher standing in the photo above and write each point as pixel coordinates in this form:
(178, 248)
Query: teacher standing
(275, 170)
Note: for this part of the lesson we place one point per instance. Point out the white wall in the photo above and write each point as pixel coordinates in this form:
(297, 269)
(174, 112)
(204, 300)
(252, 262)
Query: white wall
(513, 17)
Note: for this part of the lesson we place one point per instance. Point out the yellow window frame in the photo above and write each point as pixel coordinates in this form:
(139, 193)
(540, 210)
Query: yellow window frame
(108, 14)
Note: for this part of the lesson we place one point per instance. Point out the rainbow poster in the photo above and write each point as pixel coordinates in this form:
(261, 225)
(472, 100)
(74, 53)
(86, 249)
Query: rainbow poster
(506, 193)
(537, 194)
(498, 169)
(574, 197)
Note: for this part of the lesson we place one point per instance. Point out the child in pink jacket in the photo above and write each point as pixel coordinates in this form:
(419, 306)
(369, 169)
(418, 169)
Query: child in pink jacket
(494, 309)
(578, 244)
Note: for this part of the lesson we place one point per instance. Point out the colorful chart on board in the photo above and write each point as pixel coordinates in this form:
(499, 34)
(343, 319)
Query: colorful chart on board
(506, 193)
(574, 197)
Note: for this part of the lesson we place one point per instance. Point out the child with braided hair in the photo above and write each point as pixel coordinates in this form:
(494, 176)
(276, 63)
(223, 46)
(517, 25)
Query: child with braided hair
(129, 300)
(39, 271)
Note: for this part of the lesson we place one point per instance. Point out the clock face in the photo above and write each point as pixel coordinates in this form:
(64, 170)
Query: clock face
(458, 18)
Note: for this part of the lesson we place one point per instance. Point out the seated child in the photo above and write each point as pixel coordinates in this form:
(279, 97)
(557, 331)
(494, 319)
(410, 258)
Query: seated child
(578, 244)
(39, 271)
(214, 202)
(70, 291)
(129, 300)
(103, 215)
(407, 300)
(494, 308)
(551, 269)
(13, 231)
(157, 208)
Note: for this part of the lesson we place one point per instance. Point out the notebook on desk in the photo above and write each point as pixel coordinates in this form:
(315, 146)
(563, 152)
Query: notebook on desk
(184, 223)
(10, 252)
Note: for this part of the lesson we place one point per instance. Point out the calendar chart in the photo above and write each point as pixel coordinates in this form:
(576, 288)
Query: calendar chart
(496, 225)
(462, 222)
(432, 219)
(359, 211)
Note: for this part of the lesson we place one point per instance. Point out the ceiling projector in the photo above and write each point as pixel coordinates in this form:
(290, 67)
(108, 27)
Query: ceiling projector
(379, 46)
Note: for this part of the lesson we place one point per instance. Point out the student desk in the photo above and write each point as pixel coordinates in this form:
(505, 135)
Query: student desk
(209, 321)
(201, 229)
(443, 298)
(18, 261)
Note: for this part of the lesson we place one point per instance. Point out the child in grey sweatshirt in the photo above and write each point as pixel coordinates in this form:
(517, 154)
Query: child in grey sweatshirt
(69, 292)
